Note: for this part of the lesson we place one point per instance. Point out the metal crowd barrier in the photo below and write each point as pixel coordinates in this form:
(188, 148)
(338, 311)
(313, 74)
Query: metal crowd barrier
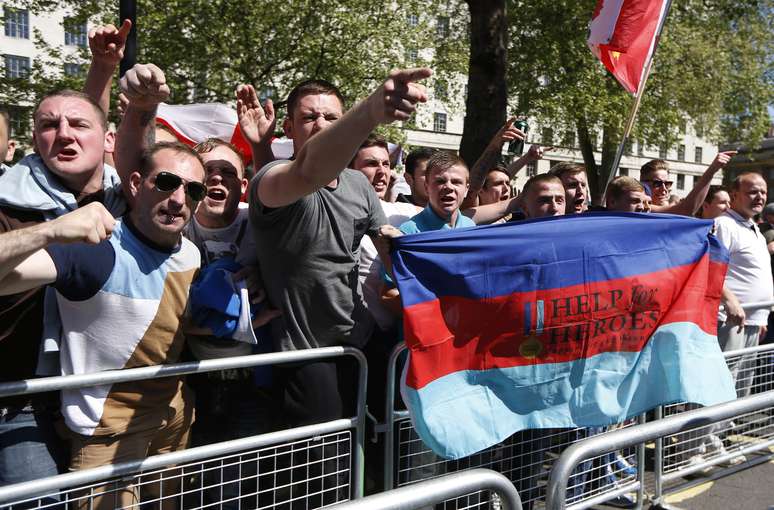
(432, 492)
(525, 459)
(576, 454)
(303, 467)
(743, 440)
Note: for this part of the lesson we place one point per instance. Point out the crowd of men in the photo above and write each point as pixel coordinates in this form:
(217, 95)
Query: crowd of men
(98, 261)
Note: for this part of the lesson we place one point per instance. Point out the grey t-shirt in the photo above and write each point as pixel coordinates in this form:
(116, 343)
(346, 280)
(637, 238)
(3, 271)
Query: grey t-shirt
(308, 252)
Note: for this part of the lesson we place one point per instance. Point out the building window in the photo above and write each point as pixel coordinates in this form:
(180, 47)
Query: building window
(640, 148)
(412, 20)
(19, 121)
(547, 136)
(629, 147)
(681, 152)
(439, 122)
(680, 181)
(16, 67)
(412, 54)
(532, 169)
(662, 152)
(17, 23)
(697, 154)
(568, 138)
(683, 126)
(623, 171)
(73, 70)
(442, 27)
(440, 89)
(75, 32)
(267, 93)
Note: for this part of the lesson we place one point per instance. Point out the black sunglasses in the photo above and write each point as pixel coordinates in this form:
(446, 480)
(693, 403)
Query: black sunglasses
(658, 183)
(167, 182)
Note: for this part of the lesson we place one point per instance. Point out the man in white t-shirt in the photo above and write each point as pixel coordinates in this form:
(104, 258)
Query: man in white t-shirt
(749, 274)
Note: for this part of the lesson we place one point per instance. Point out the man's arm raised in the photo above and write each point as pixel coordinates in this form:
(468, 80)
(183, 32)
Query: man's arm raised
(144, 86)
(324, 156)
(25, 265)
(107, 45)
(488, 160)
(693, 200)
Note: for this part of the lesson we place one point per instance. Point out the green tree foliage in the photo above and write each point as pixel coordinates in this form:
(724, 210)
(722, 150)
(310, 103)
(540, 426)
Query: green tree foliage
(207, 47)
(713, 66)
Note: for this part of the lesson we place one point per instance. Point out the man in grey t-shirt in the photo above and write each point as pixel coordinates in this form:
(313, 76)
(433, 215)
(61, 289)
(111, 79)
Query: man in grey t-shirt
(309, 215)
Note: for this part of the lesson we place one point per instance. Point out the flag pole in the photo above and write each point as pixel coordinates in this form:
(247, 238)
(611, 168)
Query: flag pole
(636, 105)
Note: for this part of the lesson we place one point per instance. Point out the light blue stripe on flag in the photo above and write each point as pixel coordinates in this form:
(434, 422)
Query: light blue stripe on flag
(681, 363)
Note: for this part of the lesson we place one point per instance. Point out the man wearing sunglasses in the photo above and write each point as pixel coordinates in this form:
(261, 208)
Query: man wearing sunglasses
(122, 295)
(655, 175)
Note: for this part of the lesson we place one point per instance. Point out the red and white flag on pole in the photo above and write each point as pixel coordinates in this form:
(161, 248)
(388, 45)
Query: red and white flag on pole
(623, 35)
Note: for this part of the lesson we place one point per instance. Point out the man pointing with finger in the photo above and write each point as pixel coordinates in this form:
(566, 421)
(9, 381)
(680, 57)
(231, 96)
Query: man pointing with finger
(309, 215)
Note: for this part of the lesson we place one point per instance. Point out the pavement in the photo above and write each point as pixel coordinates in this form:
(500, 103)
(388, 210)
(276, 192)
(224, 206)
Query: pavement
(745, 487)
(751, 488)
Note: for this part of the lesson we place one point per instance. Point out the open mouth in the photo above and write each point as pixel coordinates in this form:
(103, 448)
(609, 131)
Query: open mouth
(67, 154)
(216, 194)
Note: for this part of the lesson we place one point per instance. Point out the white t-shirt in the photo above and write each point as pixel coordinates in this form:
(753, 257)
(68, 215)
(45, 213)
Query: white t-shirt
(370, 268)
(749, 265)
(237, 241)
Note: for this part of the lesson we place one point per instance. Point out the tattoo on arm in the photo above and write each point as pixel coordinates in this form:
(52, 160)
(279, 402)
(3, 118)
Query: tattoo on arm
(482, 166)
(150, 133)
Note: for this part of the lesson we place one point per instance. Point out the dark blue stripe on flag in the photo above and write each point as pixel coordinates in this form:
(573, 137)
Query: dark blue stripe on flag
(546, 253)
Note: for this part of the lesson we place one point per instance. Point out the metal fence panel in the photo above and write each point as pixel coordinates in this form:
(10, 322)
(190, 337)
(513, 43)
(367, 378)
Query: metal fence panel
(526, 459)
(432, 492)
(730, 442)
(306, 467)
(577, 453)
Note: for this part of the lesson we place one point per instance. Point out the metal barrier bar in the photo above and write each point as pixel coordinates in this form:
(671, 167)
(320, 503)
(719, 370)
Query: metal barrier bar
(87, 476)
(521, 458)
(615, 440)
(728, 444)
(68, 480)
(437, 490)
(390, 417)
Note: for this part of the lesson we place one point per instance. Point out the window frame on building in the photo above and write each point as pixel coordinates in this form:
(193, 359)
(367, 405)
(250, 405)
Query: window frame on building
(14, 72)
(442, 26)
(440, 122)
(74, 70)
(75, 33)
(698, 154)
(17, 22)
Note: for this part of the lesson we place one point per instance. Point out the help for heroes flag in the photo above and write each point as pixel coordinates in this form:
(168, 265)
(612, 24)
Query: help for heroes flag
(574, 321)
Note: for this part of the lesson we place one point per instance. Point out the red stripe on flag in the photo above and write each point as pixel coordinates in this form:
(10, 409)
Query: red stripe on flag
(451, 333)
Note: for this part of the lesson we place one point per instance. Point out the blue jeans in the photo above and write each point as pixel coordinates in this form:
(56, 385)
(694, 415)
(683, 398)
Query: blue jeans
(30, 449)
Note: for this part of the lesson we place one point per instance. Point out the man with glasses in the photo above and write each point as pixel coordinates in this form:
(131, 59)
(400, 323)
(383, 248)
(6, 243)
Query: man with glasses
(122, 291)
(655, 175)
